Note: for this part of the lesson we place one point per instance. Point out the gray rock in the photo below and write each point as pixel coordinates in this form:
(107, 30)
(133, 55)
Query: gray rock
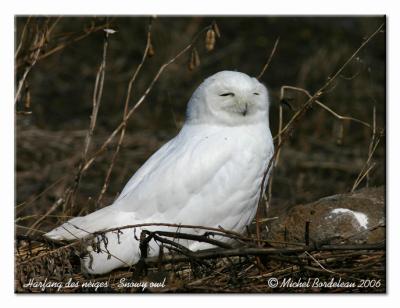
(352, 218)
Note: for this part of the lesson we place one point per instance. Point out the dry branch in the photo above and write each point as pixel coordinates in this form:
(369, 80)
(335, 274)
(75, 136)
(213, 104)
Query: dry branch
(255, 251)
(294, 121)
(368, 166)
(126, 109)
(103, 147)
(319, 103)
(41, 38)
(96, 100)
(269, 59)
(69, 40)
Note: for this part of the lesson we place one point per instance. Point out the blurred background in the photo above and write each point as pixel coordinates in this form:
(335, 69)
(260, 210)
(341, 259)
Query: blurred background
(324, 155)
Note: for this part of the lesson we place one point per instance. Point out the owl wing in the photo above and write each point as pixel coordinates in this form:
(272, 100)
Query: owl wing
(175, 174)
(204, 176)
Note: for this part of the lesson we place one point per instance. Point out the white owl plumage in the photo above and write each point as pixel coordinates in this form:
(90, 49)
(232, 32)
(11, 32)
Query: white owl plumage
(210, 174)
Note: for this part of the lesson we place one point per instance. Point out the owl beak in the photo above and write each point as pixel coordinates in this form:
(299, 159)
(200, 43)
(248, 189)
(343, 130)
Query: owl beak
(242, 106)
(244, 111)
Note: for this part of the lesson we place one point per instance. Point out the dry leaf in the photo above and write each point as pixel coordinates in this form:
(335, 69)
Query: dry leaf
(194, 60)
(216, 29)
(210, 40)
(150, 52)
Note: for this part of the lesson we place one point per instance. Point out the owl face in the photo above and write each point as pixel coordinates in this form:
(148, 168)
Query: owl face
(231, 98)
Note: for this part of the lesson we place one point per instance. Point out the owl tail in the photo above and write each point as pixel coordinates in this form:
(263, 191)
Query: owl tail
(105, 252)
(81, 227)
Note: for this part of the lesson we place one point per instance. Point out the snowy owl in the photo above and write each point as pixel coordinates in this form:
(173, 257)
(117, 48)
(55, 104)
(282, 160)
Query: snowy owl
(210, 174)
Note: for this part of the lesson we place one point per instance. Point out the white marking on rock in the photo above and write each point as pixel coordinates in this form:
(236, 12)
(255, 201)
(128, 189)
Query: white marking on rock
(361, 218)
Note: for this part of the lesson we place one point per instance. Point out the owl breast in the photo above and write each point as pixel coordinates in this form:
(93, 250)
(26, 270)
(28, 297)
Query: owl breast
(231, 195)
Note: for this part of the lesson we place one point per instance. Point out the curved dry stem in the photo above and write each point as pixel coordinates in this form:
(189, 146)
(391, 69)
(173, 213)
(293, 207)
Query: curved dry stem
(269, 59)
(285, 133)
(126, 108)
(319, 103)
(103, 147)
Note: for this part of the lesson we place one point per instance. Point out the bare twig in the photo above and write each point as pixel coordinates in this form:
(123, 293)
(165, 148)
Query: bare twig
(319, 103)
(255, 251)
(300, 113)
(21, 40)
(319, 264)
(73, 40)
(126, 109)
(178, 226)
(285, 133)
(50, 210)
(40, 40)
(370, 148)
(22, 205)
(279, 133)
(78, 37)
(103, 147)
(269, 59)
(218, 253)
(368, 166)
(193, 237)
(96, 100)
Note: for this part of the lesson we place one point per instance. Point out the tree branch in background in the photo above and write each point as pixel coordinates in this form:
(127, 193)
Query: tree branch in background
(368, 166)
(41, 38)
(294, 121)
(103, 147)
(21, 40)
(126, 109)
(69, 39)
(269, 59)
(97, 94)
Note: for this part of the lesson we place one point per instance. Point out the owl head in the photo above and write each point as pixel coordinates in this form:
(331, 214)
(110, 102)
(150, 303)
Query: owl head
(229, 98)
